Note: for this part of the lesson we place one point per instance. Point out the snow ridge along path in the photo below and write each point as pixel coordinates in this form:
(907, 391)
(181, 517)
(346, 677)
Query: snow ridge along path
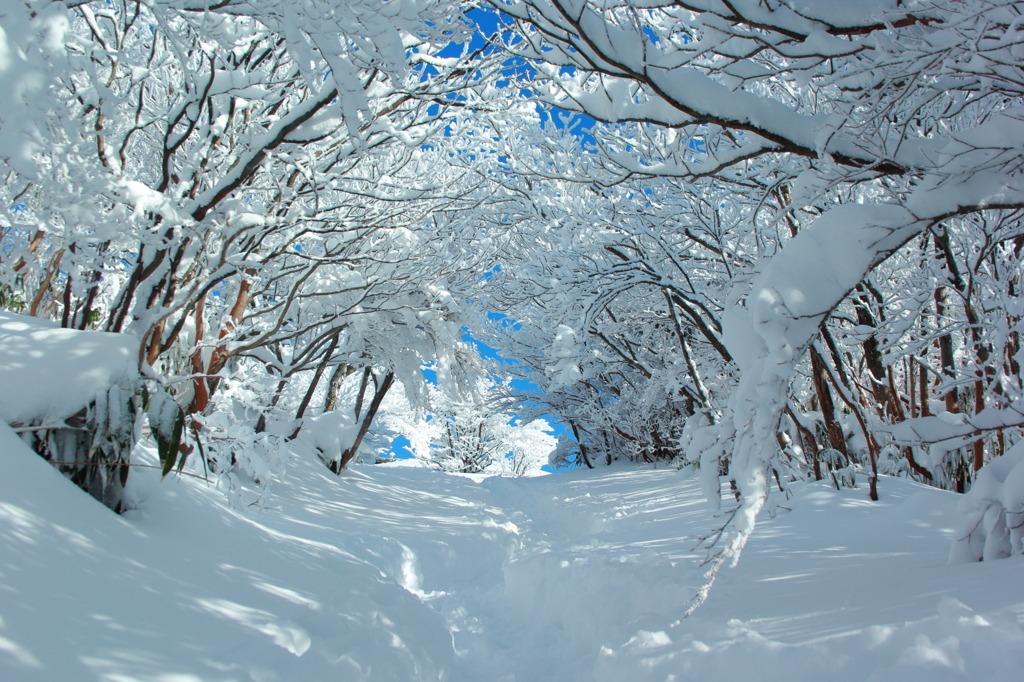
(399, 573)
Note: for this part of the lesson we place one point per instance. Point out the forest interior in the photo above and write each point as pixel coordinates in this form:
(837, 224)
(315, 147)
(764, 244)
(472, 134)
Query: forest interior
(511, 340)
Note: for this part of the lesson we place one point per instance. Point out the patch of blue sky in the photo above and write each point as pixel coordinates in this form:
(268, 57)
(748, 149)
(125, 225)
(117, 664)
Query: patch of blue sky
(578, 125)
(487, 351)
(490, 25)
(487, 24)
(530, 390)
(400, 448)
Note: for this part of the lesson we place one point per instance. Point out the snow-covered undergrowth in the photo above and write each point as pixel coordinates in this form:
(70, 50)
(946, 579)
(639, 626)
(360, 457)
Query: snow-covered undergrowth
(993, 510)
(399, 573)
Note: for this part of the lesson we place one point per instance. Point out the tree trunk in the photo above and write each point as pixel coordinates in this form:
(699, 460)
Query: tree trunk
(945, 343)
(200, 393)
(341, 372)
(367, 373)
(880, 387)
(809, 444)
(371, 412)
(261, 424)
(855, 408)
(908, 452)
(44, 286)
(923, 393)
(319, 372)
(580, 445)
(836, 438)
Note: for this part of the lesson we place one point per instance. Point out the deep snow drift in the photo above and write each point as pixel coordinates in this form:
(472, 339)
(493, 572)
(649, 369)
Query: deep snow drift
(400, 573)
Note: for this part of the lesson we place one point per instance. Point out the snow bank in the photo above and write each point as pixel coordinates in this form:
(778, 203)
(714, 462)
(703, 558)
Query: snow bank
(48, 373)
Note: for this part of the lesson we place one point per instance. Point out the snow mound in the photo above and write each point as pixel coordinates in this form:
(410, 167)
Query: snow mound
(840, 588)
(48, 373)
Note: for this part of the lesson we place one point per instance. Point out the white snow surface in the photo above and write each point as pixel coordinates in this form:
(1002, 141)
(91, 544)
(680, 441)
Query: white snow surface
(48, 373)
(403, 573)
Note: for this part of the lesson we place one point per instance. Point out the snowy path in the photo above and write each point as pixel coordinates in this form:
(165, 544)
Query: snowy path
(841, 585)
(407, 574)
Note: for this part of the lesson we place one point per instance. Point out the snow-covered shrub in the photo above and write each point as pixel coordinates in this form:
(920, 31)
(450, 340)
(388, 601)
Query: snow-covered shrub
(842, 472)
(95, 447)
(74, 397)
(329, 434)
(232, 444)
(565, 456)
(993, 509)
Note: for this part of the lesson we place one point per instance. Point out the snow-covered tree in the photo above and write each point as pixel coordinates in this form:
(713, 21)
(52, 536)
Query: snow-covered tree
(797, 152)
(475, 433)
(253, 192)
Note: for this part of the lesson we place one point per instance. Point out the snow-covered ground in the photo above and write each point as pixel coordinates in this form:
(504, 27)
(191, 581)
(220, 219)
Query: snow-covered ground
(400, 573)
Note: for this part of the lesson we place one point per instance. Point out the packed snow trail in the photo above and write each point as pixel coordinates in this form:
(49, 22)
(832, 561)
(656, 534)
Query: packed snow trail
(399, 573)
(841, 588)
